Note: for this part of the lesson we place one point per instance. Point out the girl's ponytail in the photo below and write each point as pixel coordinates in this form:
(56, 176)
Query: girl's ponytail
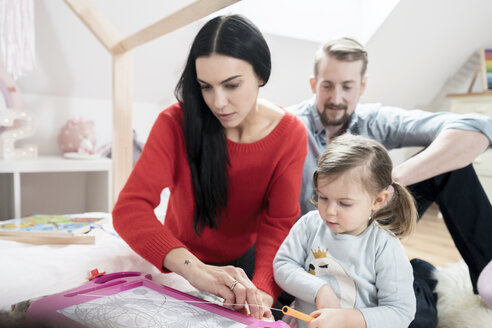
(399, 215)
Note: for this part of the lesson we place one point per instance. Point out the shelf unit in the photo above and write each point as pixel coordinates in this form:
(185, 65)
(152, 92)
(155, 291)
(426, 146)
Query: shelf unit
(54, 185)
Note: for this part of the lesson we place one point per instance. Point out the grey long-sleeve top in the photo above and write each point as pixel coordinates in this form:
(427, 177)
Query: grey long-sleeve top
(369, 272)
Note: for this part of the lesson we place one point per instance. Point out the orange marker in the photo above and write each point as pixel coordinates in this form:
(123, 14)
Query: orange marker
(296, 314)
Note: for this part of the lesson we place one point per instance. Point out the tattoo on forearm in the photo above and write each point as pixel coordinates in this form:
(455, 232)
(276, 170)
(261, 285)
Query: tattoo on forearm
(187, 262)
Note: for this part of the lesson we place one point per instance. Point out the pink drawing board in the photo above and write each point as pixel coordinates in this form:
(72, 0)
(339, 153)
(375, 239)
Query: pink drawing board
(132, 299)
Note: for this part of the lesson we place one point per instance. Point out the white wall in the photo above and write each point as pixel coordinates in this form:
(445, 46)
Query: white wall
(71, 62)
(417, 48)
(420, 45)
(72, 77)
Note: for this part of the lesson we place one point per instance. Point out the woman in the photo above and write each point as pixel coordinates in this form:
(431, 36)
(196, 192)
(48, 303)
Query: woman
(233, 164)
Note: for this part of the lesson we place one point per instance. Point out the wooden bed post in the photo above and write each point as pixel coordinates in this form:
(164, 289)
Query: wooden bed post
(120, 50)
(122, 152)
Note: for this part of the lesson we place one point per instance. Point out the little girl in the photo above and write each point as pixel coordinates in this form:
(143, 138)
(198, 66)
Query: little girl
(346, 258)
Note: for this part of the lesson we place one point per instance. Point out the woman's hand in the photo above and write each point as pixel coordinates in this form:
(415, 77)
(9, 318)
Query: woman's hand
(326, 298)
(266, 304)
(228, 282)
(231, 284)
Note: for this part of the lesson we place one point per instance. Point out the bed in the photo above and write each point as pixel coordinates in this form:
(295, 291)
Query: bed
(32, 271)
(40, 273)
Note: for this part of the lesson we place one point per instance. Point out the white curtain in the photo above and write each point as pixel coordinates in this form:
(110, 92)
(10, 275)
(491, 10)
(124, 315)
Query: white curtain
(17, 36)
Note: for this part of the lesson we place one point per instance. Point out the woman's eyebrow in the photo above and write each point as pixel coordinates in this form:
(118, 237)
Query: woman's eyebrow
(222, 82)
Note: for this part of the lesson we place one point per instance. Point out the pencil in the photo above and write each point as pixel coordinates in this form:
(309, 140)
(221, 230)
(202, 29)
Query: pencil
(246, 306)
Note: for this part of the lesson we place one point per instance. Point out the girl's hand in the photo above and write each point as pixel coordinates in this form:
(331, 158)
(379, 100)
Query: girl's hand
(326, 298)
(325, 318)
(337, 318)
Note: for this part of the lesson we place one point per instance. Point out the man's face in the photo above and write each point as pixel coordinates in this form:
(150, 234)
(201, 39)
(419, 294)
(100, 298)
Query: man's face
(338, 87)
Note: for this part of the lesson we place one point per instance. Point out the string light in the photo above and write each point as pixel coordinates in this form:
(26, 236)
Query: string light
(9, 136)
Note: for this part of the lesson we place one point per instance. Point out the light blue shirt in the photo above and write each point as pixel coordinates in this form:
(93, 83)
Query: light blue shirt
(369, 272)
(391, 126)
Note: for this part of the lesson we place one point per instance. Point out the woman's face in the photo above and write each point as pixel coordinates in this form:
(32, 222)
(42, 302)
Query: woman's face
(229, 87)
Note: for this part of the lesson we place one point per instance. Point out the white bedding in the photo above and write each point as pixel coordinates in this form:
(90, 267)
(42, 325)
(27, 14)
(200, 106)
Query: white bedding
(31, 271)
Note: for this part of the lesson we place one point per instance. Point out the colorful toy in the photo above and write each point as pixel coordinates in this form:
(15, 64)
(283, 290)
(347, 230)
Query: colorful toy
(487, 69)
(132, 299)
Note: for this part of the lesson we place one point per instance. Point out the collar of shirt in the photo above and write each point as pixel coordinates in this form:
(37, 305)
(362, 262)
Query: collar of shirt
(319, 129)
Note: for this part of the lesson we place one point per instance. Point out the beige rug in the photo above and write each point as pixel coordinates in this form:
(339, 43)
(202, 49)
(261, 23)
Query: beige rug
(457, 305)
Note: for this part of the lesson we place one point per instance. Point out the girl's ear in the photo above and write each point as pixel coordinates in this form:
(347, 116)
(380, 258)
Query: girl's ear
(380, 200)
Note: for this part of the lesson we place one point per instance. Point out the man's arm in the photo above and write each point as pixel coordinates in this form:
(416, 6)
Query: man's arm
(452, 149)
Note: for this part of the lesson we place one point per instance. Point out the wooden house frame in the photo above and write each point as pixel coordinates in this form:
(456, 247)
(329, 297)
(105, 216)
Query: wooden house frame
(121, 51)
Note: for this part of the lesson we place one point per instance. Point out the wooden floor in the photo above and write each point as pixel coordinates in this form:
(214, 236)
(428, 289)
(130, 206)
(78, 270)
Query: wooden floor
(431, 241)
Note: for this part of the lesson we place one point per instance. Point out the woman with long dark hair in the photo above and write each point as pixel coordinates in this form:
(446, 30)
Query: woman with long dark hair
(233, 164)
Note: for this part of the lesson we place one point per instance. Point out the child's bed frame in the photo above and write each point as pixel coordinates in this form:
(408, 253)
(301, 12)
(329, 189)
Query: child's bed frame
(56, 308)
(121, 51)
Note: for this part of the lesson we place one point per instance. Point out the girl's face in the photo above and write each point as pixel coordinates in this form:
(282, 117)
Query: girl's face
(229, 88)
(345, 205)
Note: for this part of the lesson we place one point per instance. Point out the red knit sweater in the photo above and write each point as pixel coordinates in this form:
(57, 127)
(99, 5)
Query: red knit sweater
(265, 179)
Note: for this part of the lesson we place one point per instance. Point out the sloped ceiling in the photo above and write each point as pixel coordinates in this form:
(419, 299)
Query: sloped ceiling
(71, 62)
(413, 51)
(315, 20)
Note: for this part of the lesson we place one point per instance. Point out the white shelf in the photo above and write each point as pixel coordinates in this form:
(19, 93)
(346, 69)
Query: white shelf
(54, 185)
(54, 164)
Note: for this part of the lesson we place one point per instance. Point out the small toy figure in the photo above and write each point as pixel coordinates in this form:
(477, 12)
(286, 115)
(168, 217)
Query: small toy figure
(86, 147)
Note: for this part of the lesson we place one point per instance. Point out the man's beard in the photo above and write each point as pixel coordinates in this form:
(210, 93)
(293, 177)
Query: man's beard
(344, 120)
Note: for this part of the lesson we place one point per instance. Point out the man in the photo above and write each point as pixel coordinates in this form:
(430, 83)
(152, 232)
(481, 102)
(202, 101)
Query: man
(441, 173)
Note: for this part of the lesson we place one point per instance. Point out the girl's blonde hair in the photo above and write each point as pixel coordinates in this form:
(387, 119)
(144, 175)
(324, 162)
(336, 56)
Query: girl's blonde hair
(347, 152)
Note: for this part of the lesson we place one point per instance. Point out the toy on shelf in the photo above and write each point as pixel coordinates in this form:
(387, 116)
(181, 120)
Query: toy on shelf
(15, 123)
(486, 56)
(77, 139)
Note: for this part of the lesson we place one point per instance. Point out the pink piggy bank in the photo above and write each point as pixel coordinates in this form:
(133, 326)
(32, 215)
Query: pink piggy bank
(73, 132)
